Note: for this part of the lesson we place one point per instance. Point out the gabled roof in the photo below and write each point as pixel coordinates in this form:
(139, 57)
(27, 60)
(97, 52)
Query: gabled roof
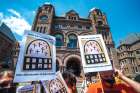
(131, 38)
(5, 30)
(72, 12)
(47, 4)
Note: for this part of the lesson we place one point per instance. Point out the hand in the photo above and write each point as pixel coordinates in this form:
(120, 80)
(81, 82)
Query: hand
(119, 73)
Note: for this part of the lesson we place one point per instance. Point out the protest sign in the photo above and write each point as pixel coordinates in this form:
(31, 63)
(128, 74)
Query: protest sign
(94, 54)
(56, 85)
(29, 89)
(37, 58)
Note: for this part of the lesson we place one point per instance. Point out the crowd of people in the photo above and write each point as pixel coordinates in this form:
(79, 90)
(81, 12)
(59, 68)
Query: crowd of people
(107, 84)
(6, 82)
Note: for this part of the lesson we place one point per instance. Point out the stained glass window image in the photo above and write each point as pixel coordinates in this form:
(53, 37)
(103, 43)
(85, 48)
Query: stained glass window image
(94, 53)
(38, 56)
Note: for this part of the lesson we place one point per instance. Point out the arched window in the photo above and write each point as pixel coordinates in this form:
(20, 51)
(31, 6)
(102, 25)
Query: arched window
(43, 17)
(59, 40)
(72, 41)
(40, 29)
(57, 65)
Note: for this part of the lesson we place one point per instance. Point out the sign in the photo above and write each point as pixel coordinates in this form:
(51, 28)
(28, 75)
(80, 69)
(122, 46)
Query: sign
(56, 85)
(29, 89)
(37, 58)
(94, 54)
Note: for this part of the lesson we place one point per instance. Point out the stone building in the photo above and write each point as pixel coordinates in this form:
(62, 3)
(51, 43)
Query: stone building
(129, 55)
(15, 53)
(7, 41)
(66, 29)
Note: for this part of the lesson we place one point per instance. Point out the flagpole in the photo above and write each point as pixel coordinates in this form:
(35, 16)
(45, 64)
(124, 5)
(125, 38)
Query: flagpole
(34, 89)
(100, 80)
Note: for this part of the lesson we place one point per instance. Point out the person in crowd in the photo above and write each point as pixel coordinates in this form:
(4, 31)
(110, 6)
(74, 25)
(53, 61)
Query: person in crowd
(109, 85)
(6, 84)
(6, 79)
(135, 85)
(70, 80)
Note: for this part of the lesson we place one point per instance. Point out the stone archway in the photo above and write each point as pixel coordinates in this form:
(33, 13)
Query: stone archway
(58, 64)
(73, 64)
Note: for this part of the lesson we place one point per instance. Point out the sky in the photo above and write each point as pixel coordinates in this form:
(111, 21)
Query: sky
(123, 15)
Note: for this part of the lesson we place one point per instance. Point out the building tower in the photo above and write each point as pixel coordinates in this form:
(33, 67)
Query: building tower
(129, 55)
(43, 19)
(100, 26)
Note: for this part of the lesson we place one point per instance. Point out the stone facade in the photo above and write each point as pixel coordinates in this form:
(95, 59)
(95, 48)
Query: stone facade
(129, 55)
(66, 29)
(7, 41)
(15, 53)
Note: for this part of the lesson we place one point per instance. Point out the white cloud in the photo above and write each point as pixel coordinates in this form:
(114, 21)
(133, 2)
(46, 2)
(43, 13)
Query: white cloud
(16, 23)
(14, 12)
(1, 15)
(33, 12)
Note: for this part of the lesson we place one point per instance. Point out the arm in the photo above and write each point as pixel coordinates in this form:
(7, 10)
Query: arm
(135, 85)
(5, 82)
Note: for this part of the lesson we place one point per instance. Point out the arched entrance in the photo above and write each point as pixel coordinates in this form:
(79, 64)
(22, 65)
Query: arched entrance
(73, 64)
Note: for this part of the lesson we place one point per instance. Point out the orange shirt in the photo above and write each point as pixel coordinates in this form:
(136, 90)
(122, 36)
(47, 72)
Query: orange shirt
(116, 88)
(95, 88)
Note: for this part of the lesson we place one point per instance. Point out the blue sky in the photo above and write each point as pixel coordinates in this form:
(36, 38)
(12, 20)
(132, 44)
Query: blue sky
(123, 15)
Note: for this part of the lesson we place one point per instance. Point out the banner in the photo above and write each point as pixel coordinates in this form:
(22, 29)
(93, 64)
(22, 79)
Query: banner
(56, 85)
(94, 54)
(37, 58)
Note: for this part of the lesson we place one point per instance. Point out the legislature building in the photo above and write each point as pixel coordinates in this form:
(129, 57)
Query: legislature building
(66, 29)
(129, 55)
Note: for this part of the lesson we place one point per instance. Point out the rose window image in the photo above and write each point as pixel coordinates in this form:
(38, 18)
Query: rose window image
(93, 52)
(38, 56)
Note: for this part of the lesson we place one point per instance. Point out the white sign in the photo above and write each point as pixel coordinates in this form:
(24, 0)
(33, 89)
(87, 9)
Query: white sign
(56, 85)
(94, 54)
(37, 58)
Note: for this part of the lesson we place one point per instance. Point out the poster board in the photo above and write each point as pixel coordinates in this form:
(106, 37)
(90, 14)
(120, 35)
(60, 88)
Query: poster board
(37, 58)
(56, 85)
(29, 89)
(94, 54)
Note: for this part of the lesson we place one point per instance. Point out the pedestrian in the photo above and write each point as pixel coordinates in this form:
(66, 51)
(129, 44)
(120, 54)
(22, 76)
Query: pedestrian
(135, 85)
(70, 80)
(109, 85)
(6, 82)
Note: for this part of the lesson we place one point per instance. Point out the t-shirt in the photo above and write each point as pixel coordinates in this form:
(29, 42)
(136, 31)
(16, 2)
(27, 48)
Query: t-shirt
(116, 88)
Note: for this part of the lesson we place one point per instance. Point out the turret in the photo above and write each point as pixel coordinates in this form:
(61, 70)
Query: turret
(43, 20)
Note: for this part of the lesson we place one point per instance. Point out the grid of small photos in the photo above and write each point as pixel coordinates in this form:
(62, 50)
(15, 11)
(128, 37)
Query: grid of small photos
(62, 90)
(56, 86)
(34, 63)
(95, 58)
